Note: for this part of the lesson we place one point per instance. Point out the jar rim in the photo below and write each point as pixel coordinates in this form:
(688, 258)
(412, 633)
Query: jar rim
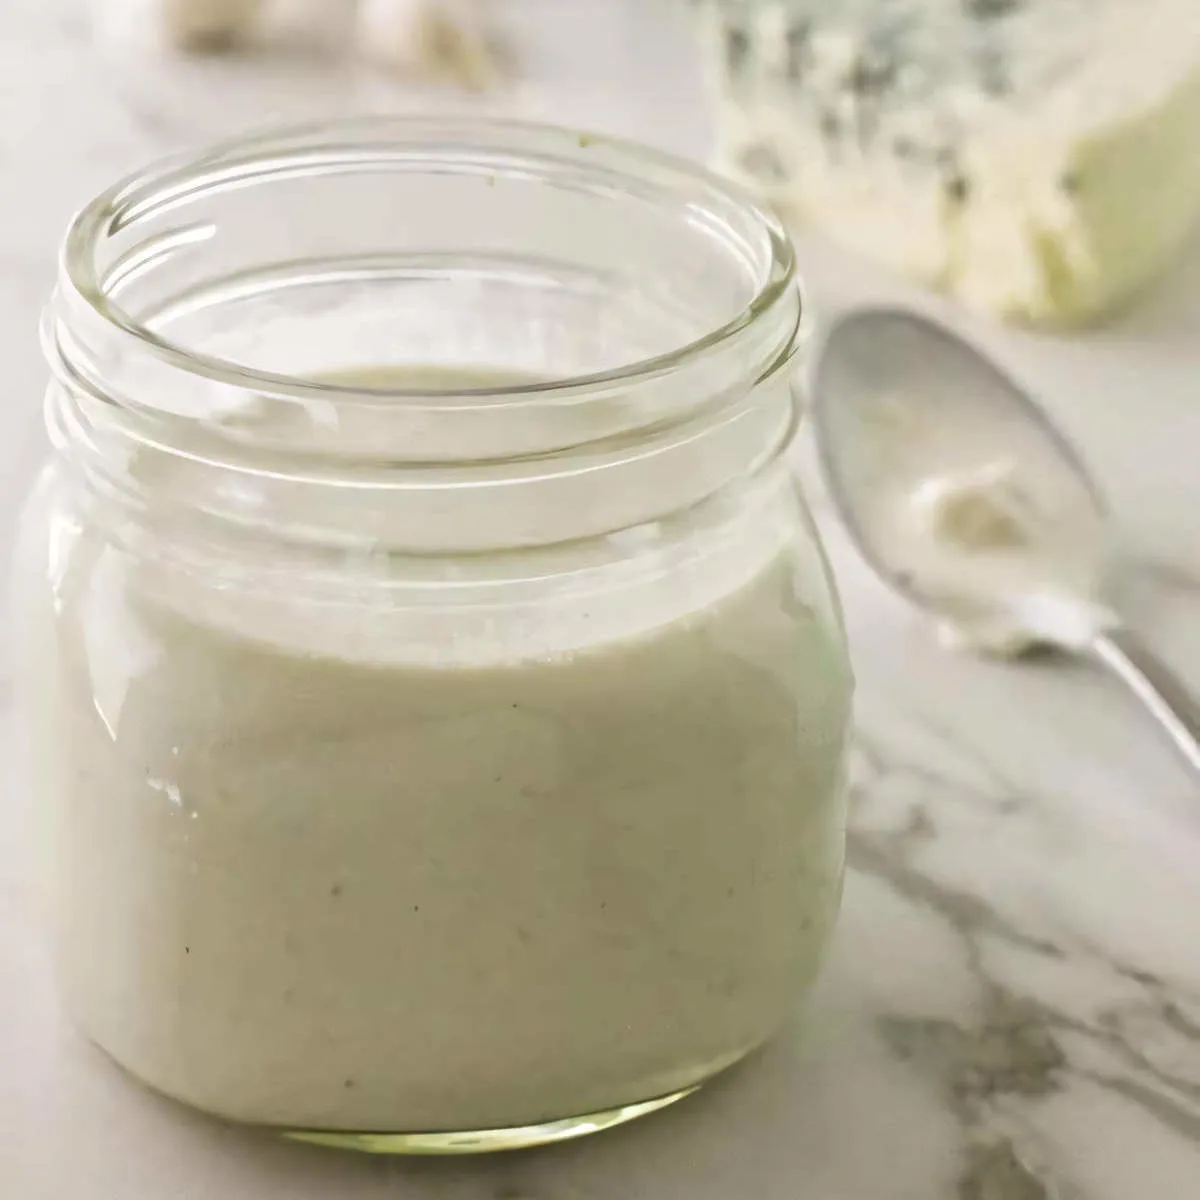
(349, 142)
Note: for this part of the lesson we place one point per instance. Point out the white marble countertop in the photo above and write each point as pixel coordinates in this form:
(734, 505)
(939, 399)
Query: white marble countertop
(1012, 1007)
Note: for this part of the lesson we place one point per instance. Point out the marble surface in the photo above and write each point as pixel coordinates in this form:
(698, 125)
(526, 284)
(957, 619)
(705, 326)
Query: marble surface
(1011, 1010)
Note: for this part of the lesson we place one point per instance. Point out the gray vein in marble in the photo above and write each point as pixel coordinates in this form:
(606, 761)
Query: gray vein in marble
(1015, 1049)
(988, 786)
(996, 1172)
(1156, 1104)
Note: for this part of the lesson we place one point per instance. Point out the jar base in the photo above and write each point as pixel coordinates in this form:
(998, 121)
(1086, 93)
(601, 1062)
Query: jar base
(486, 1141)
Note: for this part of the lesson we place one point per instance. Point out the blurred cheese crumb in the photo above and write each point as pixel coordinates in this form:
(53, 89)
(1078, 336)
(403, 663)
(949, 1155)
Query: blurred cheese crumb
(192, 25)
(207, 24)
(442, 41)
(439, 40)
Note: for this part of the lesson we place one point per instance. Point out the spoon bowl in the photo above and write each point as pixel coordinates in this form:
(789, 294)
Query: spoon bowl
(899, 400)
(962, 495)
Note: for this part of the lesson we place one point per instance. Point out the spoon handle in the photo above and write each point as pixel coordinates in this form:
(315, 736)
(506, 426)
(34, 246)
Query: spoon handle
(1163, 693)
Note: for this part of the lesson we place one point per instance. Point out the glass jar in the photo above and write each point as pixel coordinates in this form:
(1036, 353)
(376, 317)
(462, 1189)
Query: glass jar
(436, 683)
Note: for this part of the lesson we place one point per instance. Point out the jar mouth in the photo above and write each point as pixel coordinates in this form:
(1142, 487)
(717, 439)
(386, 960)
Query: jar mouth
(260, 333)
(89, 291)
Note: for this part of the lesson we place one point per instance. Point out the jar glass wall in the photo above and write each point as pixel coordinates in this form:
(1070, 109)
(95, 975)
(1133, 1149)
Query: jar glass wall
(436, 685)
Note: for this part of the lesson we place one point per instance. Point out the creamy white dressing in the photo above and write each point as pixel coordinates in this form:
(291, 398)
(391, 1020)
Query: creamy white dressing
(1006, 571)
(365, 863)
(973, 509)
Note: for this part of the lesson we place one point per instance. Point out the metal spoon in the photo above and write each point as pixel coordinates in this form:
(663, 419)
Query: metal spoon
(882, 366)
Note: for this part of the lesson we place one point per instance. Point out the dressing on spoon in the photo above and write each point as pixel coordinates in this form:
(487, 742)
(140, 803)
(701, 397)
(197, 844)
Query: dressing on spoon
(1005, 572)
(978, 516)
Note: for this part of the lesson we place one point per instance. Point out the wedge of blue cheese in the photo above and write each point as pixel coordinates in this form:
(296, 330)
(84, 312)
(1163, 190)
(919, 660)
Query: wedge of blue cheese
(1037, 158)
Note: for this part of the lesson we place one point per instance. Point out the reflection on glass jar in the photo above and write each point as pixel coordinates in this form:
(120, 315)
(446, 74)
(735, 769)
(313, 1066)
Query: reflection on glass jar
(437, 686)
